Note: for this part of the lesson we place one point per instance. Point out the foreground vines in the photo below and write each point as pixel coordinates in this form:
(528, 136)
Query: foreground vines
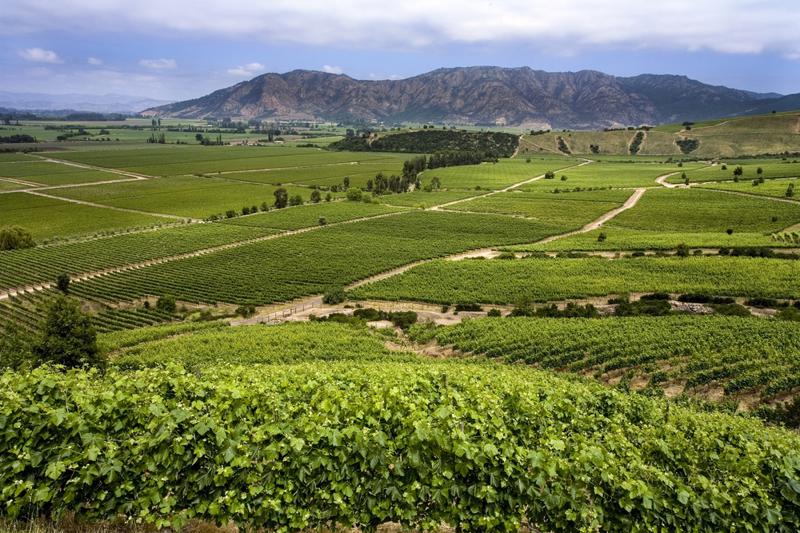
(295, 446)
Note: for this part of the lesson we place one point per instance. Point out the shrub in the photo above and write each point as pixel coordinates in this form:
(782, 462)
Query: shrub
(296, 200)
(68, 337)
(62, 283)
(733, 309)
(166, 304)
(334, 296)
(15, 238)
(494, 313)
(354, 194)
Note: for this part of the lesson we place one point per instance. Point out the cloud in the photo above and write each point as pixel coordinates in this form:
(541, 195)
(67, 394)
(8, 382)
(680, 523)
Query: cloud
(568, 25)
(158, 64)
(94, 61)
(330, 69)
(247, 70)
(40, 55)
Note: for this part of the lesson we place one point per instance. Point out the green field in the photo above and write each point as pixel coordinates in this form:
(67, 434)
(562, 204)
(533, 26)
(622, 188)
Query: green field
(609, 174)
(507, 281)
(494, 175)
(231, 386)
(46, 218)
(358, 425)
(693, 355)
(186, 196)
(571, 210)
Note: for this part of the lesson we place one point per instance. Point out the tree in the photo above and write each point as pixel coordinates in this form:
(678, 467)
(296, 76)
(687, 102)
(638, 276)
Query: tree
(738, 171)
(315, 196)
(296, 200)
(322, 221)
(436, 183)
(346, 182)
(62, 283)
(601, 237)
(281, 198)
(334, 296)
(68, 337)
(790, 190)
(15, 347)
(198, 137)
(166, 304)
(15, 238)
(264, 206)
(328, 197)
(759, 171)
(354, 195)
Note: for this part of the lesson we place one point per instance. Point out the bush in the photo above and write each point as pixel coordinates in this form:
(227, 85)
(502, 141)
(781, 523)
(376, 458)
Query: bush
(246, 310)
(494, 313)
(62, 283)
(354, 194)
(468, 307)
(15, 238)
(789, 313)
(644, 307)
(68, 337)
(322, 221)
(166, 304)
(15, 348)
(334, 296)
(733, 309)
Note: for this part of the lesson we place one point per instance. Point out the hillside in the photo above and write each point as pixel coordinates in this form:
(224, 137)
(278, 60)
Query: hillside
(475, 95)
(751, 135)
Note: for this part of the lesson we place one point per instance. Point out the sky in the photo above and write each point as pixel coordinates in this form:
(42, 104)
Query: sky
(177, 49)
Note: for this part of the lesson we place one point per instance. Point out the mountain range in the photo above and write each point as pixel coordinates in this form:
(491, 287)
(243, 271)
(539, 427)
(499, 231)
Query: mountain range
(481, 96)
(97, 103)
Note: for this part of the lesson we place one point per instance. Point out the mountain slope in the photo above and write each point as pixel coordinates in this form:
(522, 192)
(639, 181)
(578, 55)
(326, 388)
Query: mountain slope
(476, 95)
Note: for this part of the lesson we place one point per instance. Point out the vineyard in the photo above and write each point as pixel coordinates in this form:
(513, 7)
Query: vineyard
(182, 347)
(507, 281)
(571, 210)
(299, 265)
(695, 355)
(477, 446)
(609, 174)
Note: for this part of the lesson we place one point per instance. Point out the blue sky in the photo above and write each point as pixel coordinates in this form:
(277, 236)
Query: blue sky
(178, 49)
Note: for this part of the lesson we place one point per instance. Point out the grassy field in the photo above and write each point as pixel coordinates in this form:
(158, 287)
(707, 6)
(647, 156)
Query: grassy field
(771, 168)
(46, 173)
(753, 135)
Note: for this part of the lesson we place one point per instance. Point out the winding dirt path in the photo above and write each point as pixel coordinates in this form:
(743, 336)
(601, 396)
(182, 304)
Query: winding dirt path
(662, 180)
(519, 144)
(597, 223)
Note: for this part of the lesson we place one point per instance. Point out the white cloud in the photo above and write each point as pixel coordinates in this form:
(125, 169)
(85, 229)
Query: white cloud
(331, 69)
(158, 64)
(247, 70)
(40, 55)
(717, 25)
(94, 61)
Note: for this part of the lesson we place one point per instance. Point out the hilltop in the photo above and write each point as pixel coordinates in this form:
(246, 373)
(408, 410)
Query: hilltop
(478, 95)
